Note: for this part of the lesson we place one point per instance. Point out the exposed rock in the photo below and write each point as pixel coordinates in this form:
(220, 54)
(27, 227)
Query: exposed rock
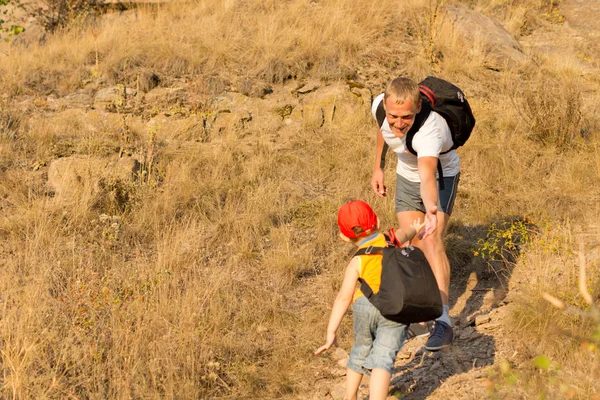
(228, 121)
(82, 99)
(242, 110)
(343, 362)
(339, 354)
(209, 85)
(113, 94)
(71, 175)
(310, 115)
(147, 80)
(364, 94)
(338, 391)
(161, 97)
(255, 88)
(482, 319)
(500, 47)
(326, 104)
(306, 87)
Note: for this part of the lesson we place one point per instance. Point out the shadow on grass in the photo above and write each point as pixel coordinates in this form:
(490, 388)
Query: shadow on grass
(477, 285)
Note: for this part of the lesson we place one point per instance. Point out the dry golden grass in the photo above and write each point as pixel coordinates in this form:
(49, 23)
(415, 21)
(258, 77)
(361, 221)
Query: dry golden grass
(214, 277)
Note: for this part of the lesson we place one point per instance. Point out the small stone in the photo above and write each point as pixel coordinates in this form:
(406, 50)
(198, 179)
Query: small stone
(343, 362)
(477, 374)
(338, 392)
(339, 354)
(482, 319)
(435, 365)
(337, 372)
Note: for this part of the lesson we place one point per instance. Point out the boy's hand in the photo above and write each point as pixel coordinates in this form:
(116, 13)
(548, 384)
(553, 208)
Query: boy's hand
(430, 222)
(326, 346)
(417, 225)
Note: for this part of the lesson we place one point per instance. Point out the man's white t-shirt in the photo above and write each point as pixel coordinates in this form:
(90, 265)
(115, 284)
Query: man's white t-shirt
(431, 140)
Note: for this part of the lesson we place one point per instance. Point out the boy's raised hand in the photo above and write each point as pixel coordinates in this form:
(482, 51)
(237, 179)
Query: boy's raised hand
(417, 225)
(326, 346)
(430, 222)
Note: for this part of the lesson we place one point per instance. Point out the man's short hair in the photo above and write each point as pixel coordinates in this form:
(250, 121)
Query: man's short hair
(402, 89)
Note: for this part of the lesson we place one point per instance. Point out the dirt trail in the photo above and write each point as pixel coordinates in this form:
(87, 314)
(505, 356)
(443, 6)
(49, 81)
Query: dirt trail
(479, 299)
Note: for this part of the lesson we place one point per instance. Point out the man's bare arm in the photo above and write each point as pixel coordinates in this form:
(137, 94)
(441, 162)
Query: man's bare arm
(377, 178)
(427, 167)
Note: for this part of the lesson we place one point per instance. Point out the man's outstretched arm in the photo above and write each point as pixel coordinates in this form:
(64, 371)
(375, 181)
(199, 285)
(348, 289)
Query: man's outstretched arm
(427, 167)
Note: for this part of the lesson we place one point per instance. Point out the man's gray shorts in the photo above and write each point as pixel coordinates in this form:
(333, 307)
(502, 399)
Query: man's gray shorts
(408, 195)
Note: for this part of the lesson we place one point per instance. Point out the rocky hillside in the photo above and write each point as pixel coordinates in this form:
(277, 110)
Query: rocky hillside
(171, 176)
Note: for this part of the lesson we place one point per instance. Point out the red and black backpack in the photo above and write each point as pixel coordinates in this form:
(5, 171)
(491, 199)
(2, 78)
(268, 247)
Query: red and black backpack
(447, 100)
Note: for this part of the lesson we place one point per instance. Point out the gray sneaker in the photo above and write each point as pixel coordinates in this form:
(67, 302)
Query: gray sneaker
(441, 336)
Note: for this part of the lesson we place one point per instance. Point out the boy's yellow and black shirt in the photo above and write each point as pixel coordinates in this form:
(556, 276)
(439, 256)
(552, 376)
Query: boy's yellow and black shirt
(370, 265)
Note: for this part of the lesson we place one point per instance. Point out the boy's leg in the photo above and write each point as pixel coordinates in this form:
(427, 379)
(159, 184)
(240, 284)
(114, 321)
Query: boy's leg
(389, 339)
(379, 385)
(353, 380)
(365, 323)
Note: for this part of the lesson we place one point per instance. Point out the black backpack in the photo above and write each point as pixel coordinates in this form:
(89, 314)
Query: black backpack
(408, 292)
(447, 100)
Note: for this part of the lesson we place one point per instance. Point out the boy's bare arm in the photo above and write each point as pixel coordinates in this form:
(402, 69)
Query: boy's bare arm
(404, 236)
(341, 303)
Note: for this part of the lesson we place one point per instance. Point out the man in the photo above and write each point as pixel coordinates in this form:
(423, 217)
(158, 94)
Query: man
(417, 194)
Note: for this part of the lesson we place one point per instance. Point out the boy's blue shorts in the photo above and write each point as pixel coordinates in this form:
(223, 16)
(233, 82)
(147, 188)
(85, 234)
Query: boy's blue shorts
(377, 340)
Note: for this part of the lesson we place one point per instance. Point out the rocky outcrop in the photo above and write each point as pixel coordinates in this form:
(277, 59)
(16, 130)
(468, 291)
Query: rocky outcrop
(474, 27)
(320, 105)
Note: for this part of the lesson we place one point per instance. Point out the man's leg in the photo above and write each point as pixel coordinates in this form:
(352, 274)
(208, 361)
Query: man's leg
(435, 252)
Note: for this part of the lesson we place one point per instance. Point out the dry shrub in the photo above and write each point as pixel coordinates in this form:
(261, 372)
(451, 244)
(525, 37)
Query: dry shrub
(552, 106)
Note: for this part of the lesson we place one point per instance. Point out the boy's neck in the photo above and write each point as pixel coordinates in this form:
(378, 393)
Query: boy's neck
(364, 240)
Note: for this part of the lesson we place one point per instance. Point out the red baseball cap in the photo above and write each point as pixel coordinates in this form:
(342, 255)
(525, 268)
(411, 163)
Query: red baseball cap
(356, 213)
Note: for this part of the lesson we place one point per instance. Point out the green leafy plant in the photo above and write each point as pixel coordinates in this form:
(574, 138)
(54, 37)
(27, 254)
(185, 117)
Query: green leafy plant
(8, 30)
(503, 240)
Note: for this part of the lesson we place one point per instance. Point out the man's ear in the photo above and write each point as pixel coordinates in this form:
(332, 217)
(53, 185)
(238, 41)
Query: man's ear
(419, 107)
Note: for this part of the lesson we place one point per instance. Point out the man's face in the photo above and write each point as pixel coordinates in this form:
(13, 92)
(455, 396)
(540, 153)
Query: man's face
(401, 117)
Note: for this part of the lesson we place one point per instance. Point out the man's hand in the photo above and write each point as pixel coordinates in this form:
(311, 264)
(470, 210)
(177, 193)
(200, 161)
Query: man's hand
(377, 183)
(430, 222)
(326, 346)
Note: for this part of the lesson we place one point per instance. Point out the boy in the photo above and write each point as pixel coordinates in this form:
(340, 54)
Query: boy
(377, 340)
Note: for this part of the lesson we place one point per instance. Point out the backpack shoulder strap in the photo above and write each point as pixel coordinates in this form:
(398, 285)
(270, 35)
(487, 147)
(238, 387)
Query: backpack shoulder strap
(419, 121)
(369, 251)
(380, 114)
